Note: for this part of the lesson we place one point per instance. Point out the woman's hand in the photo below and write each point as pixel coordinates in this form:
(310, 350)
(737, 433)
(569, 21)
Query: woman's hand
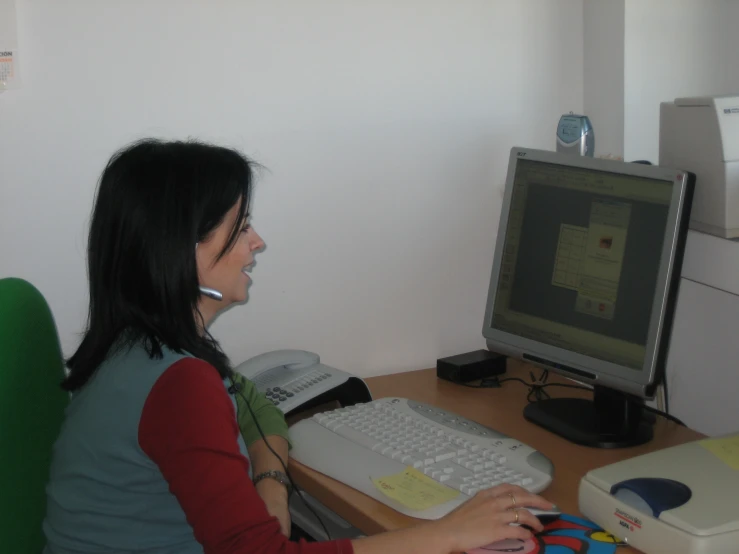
(275, 497)
(484, 519)
(487, 518)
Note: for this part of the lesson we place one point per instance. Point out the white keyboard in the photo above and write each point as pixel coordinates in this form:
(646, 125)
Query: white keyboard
(363, 442)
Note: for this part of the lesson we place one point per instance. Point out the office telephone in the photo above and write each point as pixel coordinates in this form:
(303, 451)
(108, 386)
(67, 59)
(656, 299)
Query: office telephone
(295, 380)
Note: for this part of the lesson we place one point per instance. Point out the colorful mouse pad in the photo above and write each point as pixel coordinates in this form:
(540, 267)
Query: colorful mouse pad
(565, 535)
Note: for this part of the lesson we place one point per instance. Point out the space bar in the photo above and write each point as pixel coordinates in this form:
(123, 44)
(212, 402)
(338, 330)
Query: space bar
(356, 436)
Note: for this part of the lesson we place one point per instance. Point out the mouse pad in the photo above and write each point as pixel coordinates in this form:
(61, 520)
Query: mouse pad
(565, 535)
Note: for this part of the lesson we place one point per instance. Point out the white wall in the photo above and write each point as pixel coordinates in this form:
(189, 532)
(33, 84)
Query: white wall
(385, 127)
(603, 86)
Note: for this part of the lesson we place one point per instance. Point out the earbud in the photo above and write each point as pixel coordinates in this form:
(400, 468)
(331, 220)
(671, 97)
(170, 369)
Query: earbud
(211, 293)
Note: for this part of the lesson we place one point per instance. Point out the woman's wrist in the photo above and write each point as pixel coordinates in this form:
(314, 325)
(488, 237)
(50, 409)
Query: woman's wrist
(436, 537)
(428, 537)
(441, 537)
(275, 475)
(272, 489)
(275, 498)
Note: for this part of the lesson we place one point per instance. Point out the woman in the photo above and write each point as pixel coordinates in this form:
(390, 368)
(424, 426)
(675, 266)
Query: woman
(151, 457)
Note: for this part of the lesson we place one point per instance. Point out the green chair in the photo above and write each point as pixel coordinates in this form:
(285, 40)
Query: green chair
(31, 412)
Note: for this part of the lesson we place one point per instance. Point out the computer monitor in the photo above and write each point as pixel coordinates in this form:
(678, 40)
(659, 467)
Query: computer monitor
(584, 281)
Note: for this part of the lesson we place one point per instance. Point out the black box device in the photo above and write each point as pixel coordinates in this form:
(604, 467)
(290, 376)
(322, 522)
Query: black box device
(479, 364)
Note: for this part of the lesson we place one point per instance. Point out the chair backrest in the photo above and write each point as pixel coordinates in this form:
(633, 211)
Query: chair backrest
(31, 412)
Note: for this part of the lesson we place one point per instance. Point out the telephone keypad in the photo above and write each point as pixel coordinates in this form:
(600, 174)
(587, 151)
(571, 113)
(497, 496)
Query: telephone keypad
(279, 394)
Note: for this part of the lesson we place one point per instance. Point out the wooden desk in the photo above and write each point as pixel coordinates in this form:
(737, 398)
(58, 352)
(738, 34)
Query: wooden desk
(501, 409)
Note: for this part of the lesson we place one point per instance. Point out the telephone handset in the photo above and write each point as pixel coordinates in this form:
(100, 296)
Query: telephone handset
(296, 379)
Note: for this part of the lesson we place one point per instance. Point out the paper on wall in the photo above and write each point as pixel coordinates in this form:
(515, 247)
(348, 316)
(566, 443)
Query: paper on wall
(9, 70)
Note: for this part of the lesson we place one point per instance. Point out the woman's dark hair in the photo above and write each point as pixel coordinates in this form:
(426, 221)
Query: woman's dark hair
(155, 201)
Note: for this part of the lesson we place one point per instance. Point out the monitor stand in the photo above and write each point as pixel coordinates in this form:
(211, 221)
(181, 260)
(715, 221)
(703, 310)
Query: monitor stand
(611, 419)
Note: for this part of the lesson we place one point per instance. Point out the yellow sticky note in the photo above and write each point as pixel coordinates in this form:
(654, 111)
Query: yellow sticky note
(414, 490)
(726, 449)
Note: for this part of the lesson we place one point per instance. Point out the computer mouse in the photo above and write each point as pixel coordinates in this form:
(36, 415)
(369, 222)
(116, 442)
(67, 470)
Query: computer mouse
(545, 516)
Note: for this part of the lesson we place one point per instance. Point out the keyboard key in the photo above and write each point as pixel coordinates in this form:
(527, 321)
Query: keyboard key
(468, 489)
(355, 436)
(444, 455)
(455, 484)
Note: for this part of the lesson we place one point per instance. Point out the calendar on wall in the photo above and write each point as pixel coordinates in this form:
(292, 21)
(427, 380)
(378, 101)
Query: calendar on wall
(9, 74)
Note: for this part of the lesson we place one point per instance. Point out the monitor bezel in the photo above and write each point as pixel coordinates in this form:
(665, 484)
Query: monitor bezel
(578, 366)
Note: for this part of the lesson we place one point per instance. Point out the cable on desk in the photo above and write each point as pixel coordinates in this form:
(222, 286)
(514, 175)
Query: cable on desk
(665, 415)
(537, 386)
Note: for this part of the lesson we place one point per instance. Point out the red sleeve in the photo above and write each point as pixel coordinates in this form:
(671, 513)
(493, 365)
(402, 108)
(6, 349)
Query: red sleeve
(188, 428)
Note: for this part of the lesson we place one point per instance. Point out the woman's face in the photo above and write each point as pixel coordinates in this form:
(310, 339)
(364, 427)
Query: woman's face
(229, 274)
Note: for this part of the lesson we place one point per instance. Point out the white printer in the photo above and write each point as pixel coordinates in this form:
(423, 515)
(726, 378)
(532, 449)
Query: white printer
(680, 500)
(701, 135)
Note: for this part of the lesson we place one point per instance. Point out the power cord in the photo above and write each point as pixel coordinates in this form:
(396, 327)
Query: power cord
(536, 386)
(537, 392)
(237, 389)
(665, 415)
(667, 395)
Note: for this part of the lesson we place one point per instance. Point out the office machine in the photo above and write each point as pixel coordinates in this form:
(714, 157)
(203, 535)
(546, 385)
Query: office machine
(701, 135)
(681, 500)
(295, 380)
(438, 458)
(584, 280)
(575, 135)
